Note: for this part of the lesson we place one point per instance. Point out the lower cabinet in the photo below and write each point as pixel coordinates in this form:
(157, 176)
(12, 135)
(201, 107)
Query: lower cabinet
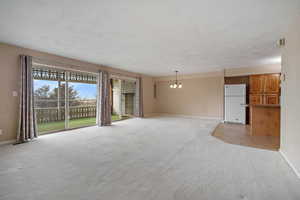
(265, 120)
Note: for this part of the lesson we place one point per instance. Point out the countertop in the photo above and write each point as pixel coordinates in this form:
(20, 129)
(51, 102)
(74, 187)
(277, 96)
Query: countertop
(265, 105)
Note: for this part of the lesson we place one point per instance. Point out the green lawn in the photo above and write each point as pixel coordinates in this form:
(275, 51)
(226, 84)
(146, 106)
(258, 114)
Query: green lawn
(73, 123)
(60, 125)
(115, 117)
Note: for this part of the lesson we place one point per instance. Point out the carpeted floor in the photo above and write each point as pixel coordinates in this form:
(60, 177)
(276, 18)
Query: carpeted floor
(160, 158)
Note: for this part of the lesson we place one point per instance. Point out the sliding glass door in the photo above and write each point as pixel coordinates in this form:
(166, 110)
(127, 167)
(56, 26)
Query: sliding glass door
(63, 99)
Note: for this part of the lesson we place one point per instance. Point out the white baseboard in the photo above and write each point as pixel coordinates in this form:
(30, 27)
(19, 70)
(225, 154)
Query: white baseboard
(189, 116)
(290, 164)
(7, 142)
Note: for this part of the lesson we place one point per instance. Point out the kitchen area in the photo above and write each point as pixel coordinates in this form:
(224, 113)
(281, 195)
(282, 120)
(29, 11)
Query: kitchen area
(251, 111)
(265, 104)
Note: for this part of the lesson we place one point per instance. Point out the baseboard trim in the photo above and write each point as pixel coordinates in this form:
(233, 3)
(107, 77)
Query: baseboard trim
(146, 115)
(190, 116)
(290, 164)
(7, 142)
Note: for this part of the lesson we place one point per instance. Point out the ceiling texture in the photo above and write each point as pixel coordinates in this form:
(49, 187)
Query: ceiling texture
(152, 37)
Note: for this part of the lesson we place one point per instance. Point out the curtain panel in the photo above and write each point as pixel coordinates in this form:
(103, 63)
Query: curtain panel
(139, 112)
(103, 99)
(27, 128)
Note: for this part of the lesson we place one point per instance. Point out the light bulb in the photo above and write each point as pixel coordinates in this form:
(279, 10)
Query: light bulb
(175, 85)
(180, 85)
(171, 86)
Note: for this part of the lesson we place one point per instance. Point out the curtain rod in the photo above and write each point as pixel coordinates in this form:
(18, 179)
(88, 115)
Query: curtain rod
(77, 66)
(59, 65)
(55, 62)
(62, 68)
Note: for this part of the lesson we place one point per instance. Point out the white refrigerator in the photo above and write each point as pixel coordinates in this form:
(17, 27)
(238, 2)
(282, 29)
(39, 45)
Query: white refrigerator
(235, 103)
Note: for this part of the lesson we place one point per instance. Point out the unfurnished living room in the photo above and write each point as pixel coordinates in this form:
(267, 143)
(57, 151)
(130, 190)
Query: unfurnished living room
(150, 100)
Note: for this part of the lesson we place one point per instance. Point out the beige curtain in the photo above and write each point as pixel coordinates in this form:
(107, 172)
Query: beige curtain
(139, 112)
(103, 100)
(27, 123)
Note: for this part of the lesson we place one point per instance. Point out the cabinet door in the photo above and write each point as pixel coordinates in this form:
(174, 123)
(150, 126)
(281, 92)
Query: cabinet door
(256, 84)
(256, 99)
(272, 83)
(271, 99)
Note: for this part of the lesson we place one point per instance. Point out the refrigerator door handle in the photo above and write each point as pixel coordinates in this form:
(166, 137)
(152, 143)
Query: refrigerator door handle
(243, 104)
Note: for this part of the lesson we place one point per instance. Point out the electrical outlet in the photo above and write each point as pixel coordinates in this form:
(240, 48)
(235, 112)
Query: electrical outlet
(14, 93)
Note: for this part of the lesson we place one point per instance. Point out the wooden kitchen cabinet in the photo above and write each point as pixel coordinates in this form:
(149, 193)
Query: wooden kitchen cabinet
(256, 83)
(271, 99)
(256, 99)
(264, 104)
(272, 83)
(265, 120)
(264, 89)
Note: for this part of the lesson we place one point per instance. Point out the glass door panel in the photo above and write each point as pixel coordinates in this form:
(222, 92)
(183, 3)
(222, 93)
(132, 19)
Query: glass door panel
(49, 105)
(82, 99)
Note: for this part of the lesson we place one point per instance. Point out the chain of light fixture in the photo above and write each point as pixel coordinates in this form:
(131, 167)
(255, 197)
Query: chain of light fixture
(176, 84)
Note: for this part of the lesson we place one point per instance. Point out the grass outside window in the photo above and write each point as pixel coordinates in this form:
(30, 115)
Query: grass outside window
(44, 128)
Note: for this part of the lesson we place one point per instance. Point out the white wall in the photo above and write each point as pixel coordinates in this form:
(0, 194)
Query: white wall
(290, 116)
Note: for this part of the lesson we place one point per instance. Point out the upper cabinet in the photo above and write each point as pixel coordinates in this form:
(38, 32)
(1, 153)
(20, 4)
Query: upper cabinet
(256, 84)
(264, 89)
(272, 83)
(271, 99)
(256, 99)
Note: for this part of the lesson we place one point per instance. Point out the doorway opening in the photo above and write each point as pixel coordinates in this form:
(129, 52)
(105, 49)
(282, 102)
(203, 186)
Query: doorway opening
(123, 99)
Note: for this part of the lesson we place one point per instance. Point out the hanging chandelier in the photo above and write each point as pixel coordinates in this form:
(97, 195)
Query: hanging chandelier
(175, 83)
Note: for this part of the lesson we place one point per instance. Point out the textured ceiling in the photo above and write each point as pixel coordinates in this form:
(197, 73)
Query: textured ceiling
(152, 37)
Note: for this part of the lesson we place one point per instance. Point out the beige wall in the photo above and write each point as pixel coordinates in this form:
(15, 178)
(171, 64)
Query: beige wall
(265, 69)
(148, 95)
(290, 116)
(10, 76)
(201, 95)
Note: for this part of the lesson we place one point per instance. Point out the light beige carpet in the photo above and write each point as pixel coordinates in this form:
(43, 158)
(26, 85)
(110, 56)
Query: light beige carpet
(159, 158)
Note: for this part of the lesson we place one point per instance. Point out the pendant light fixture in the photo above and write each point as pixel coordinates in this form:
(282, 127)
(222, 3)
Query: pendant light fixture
(175, 83)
